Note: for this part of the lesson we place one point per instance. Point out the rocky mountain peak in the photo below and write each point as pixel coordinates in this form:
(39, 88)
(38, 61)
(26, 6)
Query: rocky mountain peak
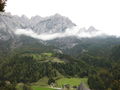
(92, 29)
(53, 24)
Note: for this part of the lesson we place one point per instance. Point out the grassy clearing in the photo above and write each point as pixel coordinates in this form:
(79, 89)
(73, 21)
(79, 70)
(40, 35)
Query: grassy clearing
(41, 88)
(45, 57)
(62, 81)
(71, 81)
(42, 83)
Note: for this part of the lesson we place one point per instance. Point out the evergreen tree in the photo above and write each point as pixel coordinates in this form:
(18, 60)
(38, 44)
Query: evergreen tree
(2, 5)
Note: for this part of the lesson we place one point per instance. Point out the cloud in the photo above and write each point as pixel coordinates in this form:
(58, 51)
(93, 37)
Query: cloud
(29, 32)
(75, 31)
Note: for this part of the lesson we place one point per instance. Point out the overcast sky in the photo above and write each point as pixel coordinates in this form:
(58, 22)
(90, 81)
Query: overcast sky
(102, 14)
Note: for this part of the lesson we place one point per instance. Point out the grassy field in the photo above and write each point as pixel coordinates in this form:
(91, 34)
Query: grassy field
(41, 88)
(45, 57)
(43, 85)
(71, 81)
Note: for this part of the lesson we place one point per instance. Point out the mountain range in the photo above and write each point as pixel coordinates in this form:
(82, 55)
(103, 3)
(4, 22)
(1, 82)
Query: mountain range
(56, 31)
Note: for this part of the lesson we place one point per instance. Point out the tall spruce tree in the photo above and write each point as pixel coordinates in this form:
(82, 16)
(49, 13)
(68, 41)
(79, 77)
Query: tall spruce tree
(2, 5)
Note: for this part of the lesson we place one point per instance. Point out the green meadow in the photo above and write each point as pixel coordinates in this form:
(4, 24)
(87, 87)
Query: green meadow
(41, 88)
(71, 81)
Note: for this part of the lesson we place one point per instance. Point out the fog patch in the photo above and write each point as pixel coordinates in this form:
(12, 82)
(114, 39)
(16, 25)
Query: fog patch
(75, 31)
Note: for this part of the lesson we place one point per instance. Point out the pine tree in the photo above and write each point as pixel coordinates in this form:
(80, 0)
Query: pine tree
(2, 5)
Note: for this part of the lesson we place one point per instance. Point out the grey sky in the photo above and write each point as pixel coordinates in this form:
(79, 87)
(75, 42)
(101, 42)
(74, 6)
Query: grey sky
(102, 14)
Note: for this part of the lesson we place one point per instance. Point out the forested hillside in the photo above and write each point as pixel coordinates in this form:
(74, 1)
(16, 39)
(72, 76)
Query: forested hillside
(28, 61)
(29, 66)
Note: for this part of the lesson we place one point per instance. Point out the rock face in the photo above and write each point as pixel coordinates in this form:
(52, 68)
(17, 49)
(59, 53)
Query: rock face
(52, 24)
(39, 25)
(10, 23)
(82, 87)
(65, 42)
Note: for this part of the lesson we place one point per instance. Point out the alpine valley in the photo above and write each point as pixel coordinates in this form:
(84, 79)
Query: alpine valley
(51, 53)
